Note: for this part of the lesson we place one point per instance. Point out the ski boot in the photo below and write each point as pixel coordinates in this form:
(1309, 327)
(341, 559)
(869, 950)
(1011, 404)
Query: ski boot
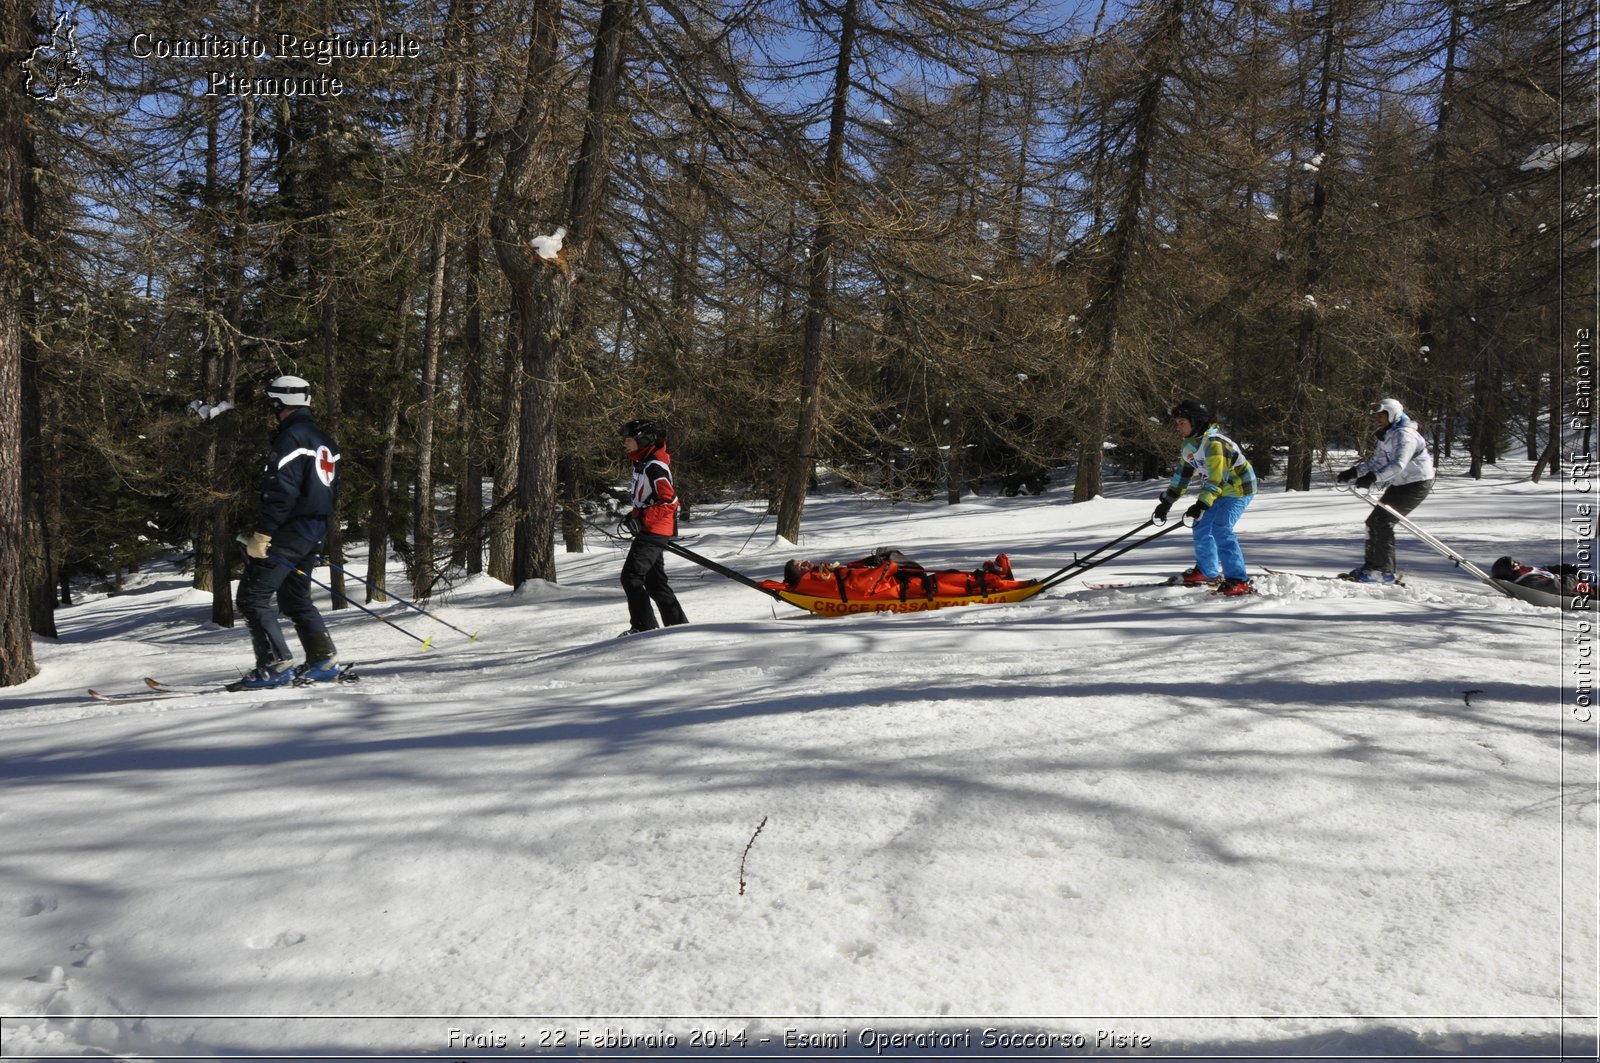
(323, 671)
(276, 674)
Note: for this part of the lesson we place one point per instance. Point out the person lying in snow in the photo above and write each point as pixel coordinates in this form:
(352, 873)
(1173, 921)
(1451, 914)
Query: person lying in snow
(886, 573)
(1564, 580)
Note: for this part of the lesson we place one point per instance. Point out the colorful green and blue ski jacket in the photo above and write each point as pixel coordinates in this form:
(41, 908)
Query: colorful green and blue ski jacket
(1219, 461)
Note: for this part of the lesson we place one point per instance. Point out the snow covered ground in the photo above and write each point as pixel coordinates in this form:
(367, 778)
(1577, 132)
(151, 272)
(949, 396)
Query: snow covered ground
(1329, 820)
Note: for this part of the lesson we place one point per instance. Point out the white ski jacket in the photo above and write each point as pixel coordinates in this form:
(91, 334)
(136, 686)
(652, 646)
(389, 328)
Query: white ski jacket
(1401, 457)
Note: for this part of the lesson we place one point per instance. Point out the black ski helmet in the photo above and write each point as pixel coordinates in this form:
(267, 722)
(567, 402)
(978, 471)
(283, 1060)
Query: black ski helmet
(1194, 412)
(1506, 567)
(646, 433)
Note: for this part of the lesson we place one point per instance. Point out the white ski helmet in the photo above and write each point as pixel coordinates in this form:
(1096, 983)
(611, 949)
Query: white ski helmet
(289, 391)
(1391, 407)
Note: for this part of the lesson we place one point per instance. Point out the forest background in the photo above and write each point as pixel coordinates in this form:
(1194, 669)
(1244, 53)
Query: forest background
(933, 247)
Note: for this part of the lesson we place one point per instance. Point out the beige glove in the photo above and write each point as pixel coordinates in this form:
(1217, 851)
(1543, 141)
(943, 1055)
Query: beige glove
(257, 545)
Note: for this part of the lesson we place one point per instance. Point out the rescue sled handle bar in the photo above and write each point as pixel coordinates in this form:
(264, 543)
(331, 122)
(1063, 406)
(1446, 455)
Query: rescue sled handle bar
(721, 570)
(1079, 562)
(1078, 568)
(688, 555)
(1427, 537)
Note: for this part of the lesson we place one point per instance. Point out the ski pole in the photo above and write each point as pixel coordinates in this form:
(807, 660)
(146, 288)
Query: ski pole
(1427, 537)
(473, 635)
(426, 642)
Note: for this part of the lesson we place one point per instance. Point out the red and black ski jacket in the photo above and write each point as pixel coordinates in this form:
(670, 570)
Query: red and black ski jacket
(655, 500)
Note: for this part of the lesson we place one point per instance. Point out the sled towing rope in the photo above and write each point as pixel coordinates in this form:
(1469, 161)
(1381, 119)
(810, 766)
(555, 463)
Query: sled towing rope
(1428, 538)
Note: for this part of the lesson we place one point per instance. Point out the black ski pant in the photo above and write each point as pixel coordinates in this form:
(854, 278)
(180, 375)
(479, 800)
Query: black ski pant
(275, 575)
(1403, 498)
(644, 580)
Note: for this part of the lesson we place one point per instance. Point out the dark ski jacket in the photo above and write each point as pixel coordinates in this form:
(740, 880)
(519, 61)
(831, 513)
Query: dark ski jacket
(1557, 579)
(300, 484)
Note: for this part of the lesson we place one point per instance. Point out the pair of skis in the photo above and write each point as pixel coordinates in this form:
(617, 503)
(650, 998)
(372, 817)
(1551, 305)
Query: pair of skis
(1399, 581)
(156, 690)
(1174, 582)
(1144, 586)
(1343, 577)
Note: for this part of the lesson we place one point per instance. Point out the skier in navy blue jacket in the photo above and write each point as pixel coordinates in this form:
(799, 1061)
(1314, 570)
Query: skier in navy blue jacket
(299, 493)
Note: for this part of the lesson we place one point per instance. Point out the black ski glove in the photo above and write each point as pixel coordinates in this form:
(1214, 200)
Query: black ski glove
(1349, 474)
(1192, 514)
(1160, 515)
(629, 526)
(1367, 480)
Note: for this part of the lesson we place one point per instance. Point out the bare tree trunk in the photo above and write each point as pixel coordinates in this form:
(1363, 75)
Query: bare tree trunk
(328, 334)
(222, 550)
(378, 528)
(533, 551)
(1307, 421)
(819, 270)
(953, 464)
(469, 528)
(542, 291)
(422, 510)
(571, 471)
(1121, 245)
(1427, 338)
(503, 524)
(16, 644)
(513, 206)
(38, 476)
(441, 126)
(210, 371)
(1558, 415)
(1535, 403)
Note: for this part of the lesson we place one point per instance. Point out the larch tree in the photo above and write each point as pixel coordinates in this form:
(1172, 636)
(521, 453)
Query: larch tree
(17, 40)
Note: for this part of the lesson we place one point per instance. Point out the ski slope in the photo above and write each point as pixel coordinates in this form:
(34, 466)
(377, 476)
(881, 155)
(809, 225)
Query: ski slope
(1328, 819)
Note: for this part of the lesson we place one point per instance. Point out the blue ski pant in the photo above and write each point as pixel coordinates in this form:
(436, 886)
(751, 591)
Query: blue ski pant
(1216, 548)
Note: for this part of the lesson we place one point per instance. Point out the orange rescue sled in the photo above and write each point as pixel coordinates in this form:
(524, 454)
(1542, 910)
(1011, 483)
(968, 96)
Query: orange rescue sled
(888, 582)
